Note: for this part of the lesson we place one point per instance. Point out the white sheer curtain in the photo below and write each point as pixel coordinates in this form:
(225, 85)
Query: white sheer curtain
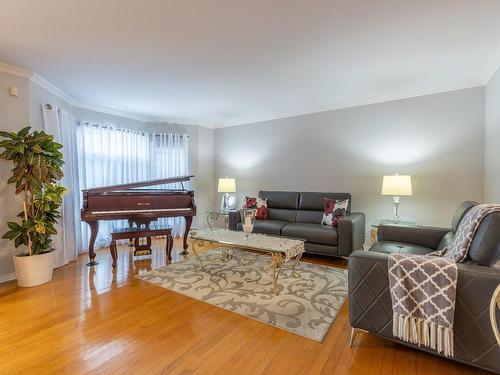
(109, 155)
(67, 243)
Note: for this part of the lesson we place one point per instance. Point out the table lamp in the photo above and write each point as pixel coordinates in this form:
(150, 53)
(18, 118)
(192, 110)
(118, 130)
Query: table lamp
(226, 186)
(396, 185)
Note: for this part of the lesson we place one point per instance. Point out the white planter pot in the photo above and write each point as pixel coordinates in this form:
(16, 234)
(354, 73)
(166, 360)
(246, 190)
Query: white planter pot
(34, 270)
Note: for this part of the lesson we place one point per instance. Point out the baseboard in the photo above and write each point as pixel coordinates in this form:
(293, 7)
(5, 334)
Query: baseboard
(7, 277)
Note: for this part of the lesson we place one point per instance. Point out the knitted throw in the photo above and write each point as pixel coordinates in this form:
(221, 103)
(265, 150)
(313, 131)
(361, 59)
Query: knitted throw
(423, 287)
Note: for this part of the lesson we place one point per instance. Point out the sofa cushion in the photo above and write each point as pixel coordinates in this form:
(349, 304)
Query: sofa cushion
(315, 201)
(281, 214)
(485, 246)
(460, 212)
(389, 247)
(281, 199)
(267, 226)
(309, 216)
(313, 233)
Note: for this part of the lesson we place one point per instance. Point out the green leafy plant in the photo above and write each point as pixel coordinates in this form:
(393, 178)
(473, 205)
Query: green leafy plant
(38, 162)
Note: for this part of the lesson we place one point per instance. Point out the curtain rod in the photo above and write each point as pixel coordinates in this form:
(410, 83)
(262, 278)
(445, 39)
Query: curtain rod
(97, 125)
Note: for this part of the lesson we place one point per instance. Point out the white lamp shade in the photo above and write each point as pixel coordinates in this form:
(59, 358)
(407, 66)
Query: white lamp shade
(396, 185)
(227, 185)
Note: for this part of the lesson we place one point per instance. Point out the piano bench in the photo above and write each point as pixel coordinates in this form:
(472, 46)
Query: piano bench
(141, 232)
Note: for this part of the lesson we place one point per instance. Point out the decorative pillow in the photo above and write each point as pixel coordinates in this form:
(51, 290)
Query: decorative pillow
(250, 203)
(257, 204)
(334, 211)
(261, 213)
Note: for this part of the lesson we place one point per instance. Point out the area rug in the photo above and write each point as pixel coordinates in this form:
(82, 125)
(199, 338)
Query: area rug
(307, 305)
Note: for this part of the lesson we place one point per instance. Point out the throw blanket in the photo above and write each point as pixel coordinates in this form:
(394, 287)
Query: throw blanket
(423, 287)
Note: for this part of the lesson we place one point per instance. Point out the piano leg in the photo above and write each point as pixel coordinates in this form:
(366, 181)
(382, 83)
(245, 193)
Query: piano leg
(130, 240)
(114, 252)
(189, 220)
(169, 246)
(94, 229)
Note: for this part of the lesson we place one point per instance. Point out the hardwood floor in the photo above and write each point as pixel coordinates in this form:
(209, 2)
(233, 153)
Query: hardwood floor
(92, 320)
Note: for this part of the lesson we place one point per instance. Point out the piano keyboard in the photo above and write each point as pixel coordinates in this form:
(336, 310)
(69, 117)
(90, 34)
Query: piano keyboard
(139, 211)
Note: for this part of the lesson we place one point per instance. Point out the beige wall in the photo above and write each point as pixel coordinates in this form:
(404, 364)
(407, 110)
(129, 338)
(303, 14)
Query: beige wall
(492, 140)
(438, 139)
(13, 116)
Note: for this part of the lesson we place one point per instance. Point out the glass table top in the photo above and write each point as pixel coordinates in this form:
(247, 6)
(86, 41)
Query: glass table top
(254, 241)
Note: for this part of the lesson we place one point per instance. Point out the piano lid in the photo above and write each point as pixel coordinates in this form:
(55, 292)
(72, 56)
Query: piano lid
(161, 181)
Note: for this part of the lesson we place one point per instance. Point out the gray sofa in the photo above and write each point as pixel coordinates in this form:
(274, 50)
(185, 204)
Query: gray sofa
(370, 307)
(299, 215)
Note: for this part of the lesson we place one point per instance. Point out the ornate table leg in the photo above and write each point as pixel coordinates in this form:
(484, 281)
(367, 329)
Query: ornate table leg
(211, 217)
(373, 235)
(277, 260)
(295, 261)
(226, 253)
(193, 247)
(494, 304)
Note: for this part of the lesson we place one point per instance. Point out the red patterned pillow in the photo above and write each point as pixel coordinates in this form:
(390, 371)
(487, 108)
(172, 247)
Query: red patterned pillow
(257, 204)
(250, 203)
(261, 213)
(334, 211)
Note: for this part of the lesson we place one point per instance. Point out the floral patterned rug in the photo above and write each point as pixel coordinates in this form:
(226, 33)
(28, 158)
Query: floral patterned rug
(307, 305)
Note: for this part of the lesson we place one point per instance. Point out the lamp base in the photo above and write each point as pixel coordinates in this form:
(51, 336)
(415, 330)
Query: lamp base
(227, 203)
(396, 200)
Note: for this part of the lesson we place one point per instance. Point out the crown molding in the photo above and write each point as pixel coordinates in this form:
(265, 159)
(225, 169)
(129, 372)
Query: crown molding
(143, 118)
(61, 94)
(360, 102)
(11, 69)
(491, 68)
(112, 111)
(50, 87)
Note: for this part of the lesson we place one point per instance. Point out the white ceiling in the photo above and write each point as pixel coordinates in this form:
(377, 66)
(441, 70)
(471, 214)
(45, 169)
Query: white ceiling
(227, 62)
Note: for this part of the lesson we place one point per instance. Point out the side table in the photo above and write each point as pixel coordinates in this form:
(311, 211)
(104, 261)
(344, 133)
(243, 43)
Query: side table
(214, 216)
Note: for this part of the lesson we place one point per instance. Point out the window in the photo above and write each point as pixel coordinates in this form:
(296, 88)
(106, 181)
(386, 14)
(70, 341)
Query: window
(108, 155)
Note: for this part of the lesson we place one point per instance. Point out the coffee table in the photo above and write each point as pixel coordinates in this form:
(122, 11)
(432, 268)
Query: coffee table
(281, 249)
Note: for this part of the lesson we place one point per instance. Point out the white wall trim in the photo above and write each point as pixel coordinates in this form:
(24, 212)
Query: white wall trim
(8, 277)
(11, 69)
(149, 119)
(50, 87)
(361, 102)
(491, 68)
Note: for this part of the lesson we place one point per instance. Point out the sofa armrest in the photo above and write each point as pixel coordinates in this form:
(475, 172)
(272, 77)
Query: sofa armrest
(234, 219)
(351, 233)
(416, 235)
(370, 306)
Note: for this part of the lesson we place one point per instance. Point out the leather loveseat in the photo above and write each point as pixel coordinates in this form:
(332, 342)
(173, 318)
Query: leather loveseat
(299, 215)
(370, 307)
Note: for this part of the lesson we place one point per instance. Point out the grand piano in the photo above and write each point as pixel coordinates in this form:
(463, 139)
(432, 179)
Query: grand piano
(136, 204)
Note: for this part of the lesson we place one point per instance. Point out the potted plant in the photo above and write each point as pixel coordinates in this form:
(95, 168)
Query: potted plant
(38, 162)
